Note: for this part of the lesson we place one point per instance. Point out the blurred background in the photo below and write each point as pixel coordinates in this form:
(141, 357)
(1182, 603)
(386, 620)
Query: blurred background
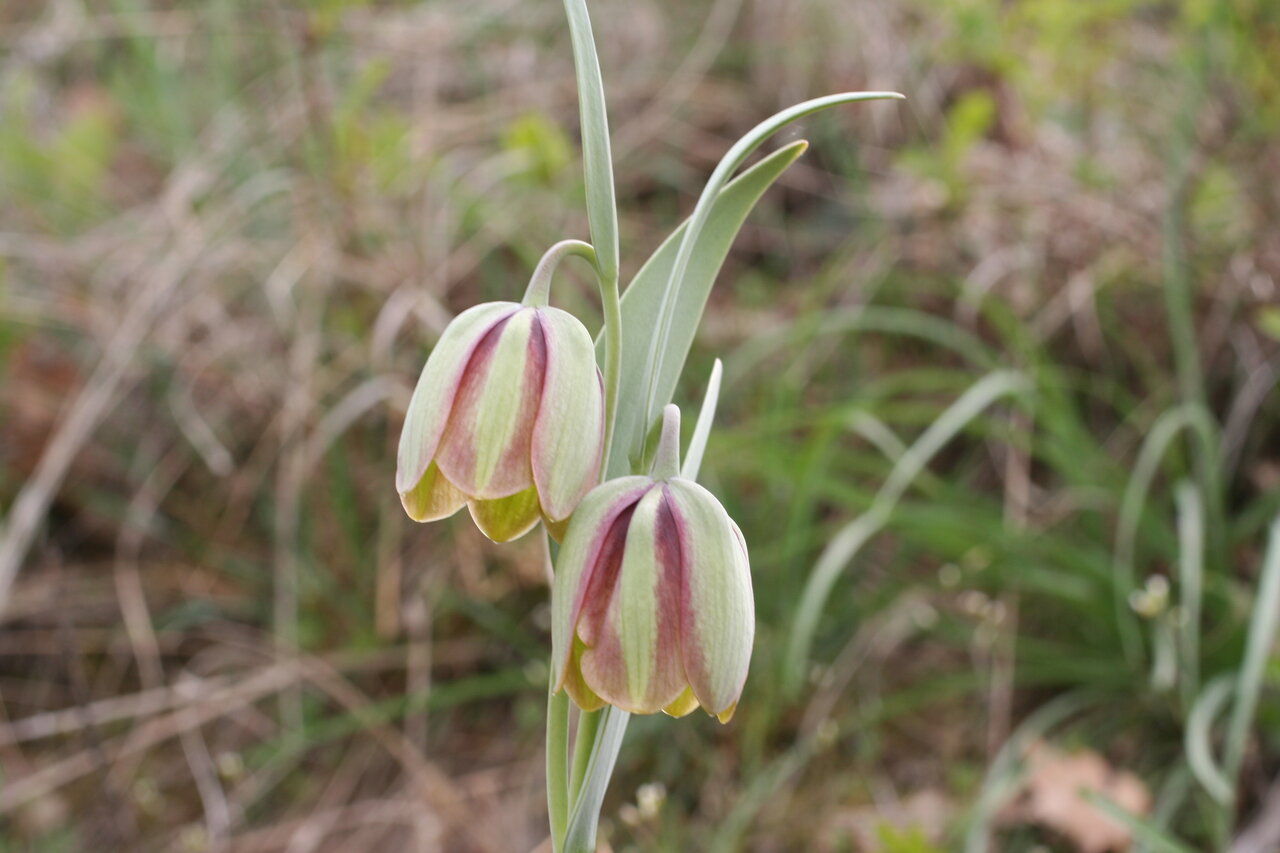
(999, 420)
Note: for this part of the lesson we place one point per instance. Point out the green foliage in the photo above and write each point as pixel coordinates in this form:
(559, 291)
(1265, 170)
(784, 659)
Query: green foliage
(904, 840)
(1269, 322)
(59, 174)
(369, 141)
(944, 160)
(540, 144)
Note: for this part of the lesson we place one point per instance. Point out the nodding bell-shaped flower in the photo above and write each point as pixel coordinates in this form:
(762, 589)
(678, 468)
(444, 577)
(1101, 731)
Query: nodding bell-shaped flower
(651, 604)
(507, 418)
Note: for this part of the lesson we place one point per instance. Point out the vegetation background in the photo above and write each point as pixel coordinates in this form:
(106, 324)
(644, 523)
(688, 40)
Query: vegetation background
(999, 421)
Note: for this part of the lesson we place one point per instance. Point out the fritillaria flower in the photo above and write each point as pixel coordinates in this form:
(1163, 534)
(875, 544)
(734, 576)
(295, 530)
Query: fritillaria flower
(651, 605)
(507, 418)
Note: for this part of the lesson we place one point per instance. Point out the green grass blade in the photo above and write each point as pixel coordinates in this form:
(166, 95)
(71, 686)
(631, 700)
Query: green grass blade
(1262, 633)
(1169, 802)
(846, 544)
(597, 162)
(642, 301)
(1003, 775)
(1155, 838)
(1198, 738)
(1190, 584)
(1160, 438)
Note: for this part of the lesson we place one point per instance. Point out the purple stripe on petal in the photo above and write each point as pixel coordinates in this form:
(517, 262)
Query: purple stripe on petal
(601, 664)
(456, 455)
(437, 387)
(670, 679)
(691, 656)
(514, 471)
(485, 448)
(585, 540)
(633, 655)
(597, 593)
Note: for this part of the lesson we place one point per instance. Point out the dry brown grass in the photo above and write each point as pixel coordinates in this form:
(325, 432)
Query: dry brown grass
(208, 592)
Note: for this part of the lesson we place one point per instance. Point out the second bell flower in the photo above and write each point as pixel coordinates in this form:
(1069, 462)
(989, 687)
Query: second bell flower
(507, 418)
(651, 606)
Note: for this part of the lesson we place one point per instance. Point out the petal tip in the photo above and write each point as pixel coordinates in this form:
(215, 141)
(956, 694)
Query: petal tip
(506, 519)
(727, 714)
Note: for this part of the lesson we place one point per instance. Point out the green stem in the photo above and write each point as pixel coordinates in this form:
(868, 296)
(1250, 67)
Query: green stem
(539, 289)
(612, 306)
(584, 745)
(584, 818)
(558, 766)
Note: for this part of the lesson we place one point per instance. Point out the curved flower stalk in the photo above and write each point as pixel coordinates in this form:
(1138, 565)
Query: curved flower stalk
(652, 607)
(507, 418)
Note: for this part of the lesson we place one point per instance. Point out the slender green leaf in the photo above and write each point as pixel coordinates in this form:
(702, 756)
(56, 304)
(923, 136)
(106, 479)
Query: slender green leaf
(602, 207)
(1190, 584)
(701, 218)
(1005, 771)
(583, 821)
(702, 429)
(1148, 833)
(642, 301)
(1262, 633)
(1160, 438)
(1198, 738)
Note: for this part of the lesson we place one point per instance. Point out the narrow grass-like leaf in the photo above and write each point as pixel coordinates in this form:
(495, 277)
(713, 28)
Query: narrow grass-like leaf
(1190, 585)
(766, 785)
(1148, 833)
(846, 544)
(602, 206)
(642, 301)
(700, 218)
(702, 429)
(878, 434)
(1198, 738)
(1262, 632)
(1005, 769)
(1166, 428)
(1169, 803)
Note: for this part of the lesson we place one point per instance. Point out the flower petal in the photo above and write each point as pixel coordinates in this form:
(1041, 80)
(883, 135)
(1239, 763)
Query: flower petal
(437, 386)
(485, 447)
(568, 437)
(718, 611)
(504, 519)
(591, 536)
(683, 705)
(433, 498)
(557, 529)
(632, 658)
(582, 695)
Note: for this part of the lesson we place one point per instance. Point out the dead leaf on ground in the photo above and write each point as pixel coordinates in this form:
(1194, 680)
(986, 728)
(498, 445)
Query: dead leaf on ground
(1051, 796)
